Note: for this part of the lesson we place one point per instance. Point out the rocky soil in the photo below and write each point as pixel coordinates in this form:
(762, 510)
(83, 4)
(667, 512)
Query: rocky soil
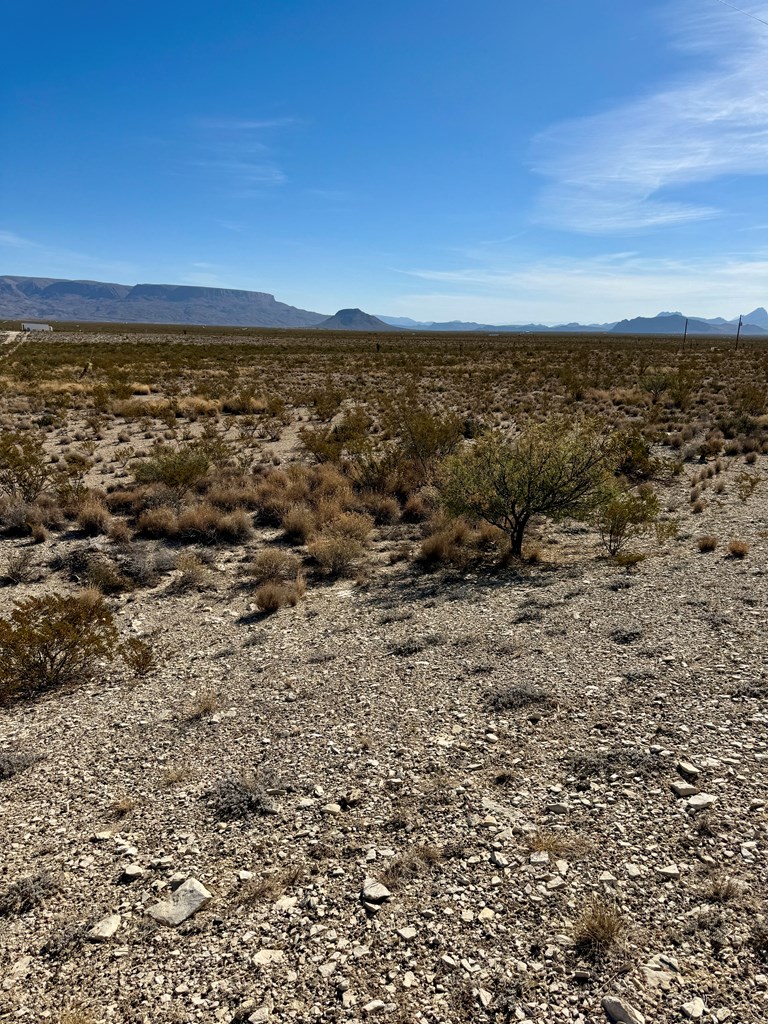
(538, 796)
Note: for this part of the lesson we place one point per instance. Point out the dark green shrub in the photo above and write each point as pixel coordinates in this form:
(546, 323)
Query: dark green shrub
(635, 460)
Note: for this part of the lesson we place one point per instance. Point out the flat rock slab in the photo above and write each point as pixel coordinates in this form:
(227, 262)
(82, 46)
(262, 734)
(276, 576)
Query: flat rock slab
(694, 1010)
(620, 1012)
(105, 929)
(265, 957)
(181, 904)
(701, 802)
(375, 892)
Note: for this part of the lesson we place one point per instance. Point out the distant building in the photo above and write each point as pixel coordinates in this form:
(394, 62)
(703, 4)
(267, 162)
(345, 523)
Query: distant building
(36, 327)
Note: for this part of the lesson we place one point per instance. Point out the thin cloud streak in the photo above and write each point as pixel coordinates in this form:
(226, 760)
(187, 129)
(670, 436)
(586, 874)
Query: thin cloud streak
(609, 172)
(603, 288)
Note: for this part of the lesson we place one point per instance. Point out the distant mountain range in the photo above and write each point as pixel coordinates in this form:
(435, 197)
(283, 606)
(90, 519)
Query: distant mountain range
(45, 298)
(754, 323)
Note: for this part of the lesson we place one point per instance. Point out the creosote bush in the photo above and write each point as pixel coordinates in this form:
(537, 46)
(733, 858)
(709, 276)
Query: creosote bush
(624, 516)
(55, 640)
(177, 468)
(24, 473)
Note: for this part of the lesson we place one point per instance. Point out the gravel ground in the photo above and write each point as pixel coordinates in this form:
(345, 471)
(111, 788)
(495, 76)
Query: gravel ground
(497, 752)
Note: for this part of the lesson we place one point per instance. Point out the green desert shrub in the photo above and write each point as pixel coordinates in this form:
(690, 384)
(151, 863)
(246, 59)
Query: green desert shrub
(24, 470)
(178, 468)
(51, 641)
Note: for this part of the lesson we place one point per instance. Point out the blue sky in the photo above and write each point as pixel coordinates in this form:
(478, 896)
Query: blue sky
(492, 161)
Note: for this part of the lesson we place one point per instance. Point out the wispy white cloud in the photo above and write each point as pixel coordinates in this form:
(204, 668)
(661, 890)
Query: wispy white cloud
(607, 287)
(10, 240)
(614, 171)
(35, 258)
(234, 154)
(331, 195)
(235, 124)
(245, 172)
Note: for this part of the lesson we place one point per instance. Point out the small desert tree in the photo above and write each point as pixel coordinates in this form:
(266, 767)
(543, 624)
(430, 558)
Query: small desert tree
(555, 470)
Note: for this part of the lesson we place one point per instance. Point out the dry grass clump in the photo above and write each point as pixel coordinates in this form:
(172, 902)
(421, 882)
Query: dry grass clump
(26, 894)
(384, 509)
(175, 775)
(210, 525)
(76, 1015)
(336, 555)
(158, 522)
(232, 494)
(205, 703)
(298, 523)
(599, 928)
(707, 543)
(269, 887)
(202, 523)
(456, 543)
(271, 597)
(14, 762)
(122, 806)
(240, 797)
(194, 574)
(556, 844)
(411, 864)
(274, 566)
(93, 518)
(738, 548)
(722, 888)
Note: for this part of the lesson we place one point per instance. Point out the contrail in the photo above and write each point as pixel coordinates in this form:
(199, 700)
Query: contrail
(754, 17)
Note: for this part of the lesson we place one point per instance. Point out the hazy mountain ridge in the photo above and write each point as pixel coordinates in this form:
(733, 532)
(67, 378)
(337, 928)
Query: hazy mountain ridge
(674, 323)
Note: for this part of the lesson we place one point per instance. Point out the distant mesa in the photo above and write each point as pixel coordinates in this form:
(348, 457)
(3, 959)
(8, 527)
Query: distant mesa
(47, 298)
(355, 320)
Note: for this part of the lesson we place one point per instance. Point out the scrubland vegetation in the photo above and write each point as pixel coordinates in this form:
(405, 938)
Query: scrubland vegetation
(445, 448)
(157, 490)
